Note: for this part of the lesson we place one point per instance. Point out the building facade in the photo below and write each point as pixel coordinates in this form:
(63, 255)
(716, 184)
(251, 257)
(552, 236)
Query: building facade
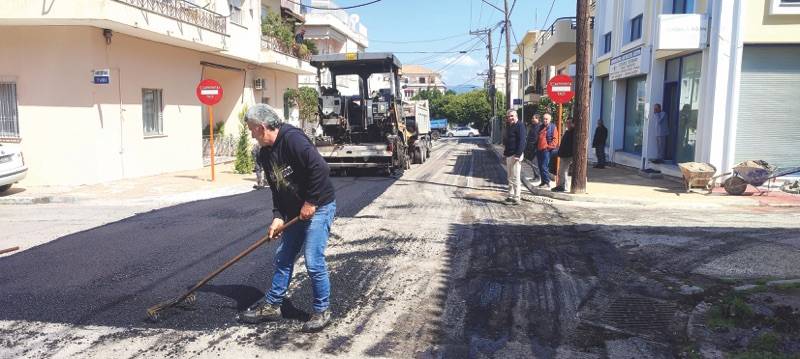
(334, 32)
(417, 78)
(98, 90)
(500, 82)
(726, 73)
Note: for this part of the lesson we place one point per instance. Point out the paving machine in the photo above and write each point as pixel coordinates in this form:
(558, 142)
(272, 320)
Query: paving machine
(364, 128)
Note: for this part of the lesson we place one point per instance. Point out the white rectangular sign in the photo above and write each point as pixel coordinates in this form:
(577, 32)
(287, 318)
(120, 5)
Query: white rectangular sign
(632, 63)
(682, 32)
(209, 92)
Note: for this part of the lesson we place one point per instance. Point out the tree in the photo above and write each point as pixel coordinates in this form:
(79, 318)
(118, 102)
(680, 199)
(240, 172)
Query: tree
(244, 160)
(306, 100)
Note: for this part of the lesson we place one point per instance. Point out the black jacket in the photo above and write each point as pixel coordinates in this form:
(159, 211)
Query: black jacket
(514, 142)
(567, 144)
(600, 137)
(296, 173)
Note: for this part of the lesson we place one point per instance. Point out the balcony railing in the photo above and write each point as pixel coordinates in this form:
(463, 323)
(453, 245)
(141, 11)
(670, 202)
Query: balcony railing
(183, 11)
(271, 43)
(551, 31)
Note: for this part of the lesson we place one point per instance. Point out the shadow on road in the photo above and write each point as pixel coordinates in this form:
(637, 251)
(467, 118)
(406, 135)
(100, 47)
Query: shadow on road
(110, 274)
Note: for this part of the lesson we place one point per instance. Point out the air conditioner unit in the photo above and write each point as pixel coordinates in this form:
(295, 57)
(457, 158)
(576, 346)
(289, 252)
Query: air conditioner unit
(259, 84)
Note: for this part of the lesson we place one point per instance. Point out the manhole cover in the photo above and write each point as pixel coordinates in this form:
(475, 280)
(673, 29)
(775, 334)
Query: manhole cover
(639, 315)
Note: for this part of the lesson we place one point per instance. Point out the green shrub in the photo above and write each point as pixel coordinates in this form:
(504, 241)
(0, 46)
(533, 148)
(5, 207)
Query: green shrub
(244, 160)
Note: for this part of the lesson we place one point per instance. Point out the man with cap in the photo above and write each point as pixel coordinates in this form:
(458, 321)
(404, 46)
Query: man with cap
(300, 185)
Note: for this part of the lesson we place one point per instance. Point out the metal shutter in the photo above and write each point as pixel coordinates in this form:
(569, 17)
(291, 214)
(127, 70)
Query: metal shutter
(768, 126)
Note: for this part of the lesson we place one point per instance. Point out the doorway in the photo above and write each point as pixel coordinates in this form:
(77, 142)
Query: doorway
(670, 107)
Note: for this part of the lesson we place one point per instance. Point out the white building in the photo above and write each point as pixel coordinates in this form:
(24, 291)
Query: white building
(334, 32)
(417, 78)
(143, 118)
(500, 82)
(726, 71)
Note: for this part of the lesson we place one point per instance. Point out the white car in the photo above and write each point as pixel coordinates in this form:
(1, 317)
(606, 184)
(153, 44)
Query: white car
(12, 165)
(463, 131)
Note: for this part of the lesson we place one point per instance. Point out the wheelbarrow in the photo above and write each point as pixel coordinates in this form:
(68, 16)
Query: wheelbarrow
(754, 173)
(698, 174)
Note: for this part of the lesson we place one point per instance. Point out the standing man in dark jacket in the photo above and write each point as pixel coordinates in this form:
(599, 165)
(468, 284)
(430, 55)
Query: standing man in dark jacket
(514, 144)
(298, 178)
(599, 144)
(548, 144)
(565, 153)
(531, 142)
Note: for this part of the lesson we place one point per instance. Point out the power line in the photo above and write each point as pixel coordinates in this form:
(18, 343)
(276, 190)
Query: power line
(418, 41)
(335, 8)
(548, 15)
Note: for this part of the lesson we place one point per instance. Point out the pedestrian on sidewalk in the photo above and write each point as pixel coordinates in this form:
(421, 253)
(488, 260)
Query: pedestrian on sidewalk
(530, 145)
(260, 182)
(565, 153)
(299, 180)
(662, 131)
(599, 144)
(547, 146)
(514, 143)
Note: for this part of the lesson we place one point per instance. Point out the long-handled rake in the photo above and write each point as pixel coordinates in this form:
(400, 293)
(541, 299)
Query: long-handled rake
(189, 297)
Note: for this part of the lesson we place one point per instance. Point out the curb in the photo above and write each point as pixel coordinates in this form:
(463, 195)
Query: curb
(536, 191)
(37, 200)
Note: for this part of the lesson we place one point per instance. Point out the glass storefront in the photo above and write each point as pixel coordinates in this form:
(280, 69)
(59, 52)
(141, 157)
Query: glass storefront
(634, 114)
(605, 105)
(682, 105)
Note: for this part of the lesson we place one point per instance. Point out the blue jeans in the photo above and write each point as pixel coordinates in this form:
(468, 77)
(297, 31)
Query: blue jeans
(313, 237)
(544, 165)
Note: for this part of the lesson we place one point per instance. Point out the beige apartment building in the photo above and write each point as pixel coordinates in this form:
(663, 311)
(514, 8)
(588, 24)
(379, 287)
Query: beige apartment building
(417, 78)
(98, 90)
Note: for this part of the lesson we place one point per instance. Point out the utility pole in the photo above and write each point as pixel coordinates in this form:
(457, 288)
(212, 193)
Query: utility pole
(491, 89)
(581, 98)
(509, 100)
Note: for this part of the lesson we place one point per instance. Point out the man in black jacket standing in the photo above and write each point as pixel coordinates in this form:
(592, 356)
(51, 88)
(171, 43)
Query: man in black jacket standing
(599, 144)
(298, 179)
(514, 144)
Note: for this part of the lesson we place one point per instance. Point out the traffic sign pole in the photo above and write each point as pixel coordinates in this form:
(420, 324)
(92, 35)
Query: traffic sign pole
(209, 92)
(559, 89)
(211, 135)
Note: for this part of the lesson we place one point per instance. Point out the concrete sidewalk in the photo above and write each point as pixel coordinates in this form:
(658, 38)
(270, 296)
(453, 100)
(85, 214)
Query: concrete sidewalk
(164, 188)
(622, 185)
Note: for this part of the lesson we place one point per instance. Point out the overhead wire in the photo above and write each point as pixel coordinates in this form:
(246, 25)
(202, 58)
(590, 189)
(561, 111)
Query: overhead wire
(335, 8)
(419, 41)
(548, 15)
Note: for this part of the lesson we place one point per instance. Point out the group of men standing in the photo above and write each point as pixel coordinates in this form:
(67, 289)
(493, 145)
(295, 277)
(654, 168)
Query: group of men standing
(539, 143)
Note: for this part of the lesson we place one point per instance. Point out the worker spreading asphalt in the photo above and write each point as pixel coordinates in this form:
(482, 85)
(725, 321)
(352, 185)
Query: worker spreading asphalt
(109, 275)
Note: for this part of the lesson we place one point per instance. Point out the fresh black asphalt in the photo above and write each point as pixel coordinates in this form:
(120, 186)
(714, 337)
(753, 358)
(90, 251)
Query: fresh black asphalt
(109, 275)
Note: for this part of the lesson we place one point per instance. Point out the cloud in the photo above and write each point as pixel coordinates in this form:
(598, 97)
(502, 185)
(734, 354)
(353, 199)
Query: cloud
(459, 60)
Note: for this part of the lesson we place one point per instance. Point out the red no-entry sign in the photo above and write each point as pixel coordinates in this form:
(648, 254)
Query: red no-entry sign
(209, 92)
(559, 89)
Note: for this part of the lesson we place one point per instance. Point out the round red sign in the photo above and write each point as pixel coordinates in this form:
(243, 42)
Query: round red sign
(209, 92)
(559, 88)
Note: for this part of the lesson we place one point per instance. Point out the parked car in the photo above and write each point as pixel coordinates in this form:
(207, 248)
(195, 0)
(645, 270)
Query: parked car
(12, 166)
(463, 131)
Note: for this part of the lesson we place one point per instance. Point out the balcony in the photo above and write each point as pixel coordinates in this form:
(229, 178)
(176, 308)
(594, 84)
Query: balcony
(183, 11)
(556, 44)
(292, 9)
(175, 22)
(345, 24)
(276, 54)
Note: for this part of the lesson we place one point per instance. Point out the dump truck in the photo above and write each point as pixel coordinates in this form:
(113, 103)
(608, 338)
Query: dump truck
(363, 127)
(416, 116)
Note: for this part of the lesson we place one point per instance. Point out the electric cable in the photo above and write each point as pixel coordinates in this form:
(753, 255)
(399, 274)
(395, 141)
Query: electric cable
(335, 8)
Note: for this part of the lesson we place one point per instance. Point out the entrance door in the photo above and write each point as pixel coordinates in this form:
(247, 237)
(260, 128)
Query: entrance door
(670, 107)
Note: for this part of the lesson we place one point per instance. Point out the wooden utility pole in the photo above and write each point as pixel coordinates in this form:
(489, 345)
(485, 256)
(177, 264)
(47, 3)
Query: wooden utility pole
(509, 100)
(581, 98)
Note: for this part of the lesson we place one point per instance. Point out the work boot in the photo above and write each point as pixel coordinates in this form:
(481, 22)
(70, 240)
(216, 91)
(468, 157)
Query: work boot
(261, 312)
(558, 189)
(317, 322)
(509, 200)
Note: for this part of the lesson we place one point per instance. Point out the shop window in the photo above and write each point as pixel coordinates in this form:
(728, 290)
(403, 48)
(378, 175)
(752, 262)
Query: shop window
(634, 115)
(636, 28)
(152, 112)
(605, 102)
(607, 43)
(9, 122)
(682, 6)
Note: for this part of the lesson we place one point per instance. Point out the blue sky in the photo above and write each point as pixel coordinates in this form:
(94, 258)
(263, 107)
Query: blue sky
(392, 21)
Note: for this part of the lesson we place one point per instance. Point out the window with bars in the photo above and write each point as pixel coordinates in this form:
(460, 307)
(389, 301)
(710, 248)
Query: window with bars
(236, 15)
(152, 112)
(9, 122)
